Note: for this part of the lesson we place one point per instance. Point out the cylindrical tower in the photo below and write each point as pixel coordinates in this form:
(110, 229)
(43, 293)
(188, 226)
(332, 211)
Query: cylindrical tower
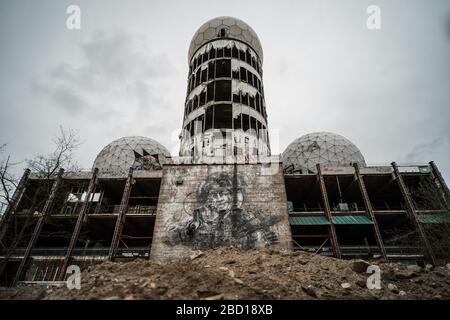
(225, 114)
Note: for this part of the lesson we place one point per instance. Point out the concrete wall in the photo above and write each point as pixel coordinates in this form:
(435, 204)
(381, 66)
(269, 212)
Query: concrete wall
(202, 206)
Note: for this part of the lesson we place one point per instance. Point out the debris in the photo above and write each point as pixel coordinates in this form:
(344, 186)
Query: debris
(196, 255)
(211, 276)
(360, 266)
(215, 297)
(346, 285)
(393, 288)
(414, 268)
(310, 290)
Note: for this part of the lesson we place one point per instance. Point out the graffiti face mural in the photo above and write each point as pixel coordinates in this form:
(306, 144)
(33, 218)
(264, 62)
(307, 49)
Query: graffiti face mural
(219, 218)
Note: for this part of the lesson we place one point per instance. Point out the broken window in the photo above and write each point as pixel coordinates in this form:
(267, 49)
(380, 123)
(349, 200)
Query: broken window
(197, 77)
(223, 68)
(245, 99)
(191, 128)
(222, 33)
(257, 102)
(223, 90)
(253, 124)
(245, 122)
(223, 116)
(238, 122)
(212, 53)
(204, 75)
(236, 74)
(195, 102)
(220, 53)
(227, 52)
(235, 52)
(242, 55)
(248, 57)
(210, 91)
(243, 74)
(250, 77)
(211, 67)
(202, 98)
(252, 102)
(209, 116)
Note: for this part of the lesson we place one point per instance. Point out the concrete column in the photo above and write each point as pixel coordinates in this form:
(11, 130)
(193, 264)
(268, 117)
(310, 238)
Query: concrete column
(332, 230)
(369, 209)
(122, 215)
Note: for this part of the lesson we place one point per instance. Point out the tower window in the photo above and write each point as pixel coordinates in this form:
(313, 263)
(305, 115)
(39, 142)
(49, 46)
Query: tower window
(223, 90)
(223, 68)
(222, 33)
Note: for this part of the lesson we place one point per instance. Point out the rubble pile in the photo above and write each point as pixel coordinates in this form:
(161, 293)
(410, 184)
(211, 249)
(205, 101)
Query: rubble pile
(228, 273)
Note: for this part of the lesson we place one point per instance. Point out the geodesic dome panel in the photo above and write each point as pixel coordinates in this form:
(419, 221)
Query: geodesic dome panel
(141, 153)
(327, 149)
(235, 29)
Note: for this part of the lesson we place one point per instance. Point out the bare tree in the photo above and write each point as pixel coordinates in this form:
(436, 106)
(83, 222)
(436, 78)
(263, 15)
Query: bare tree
(62, 157)
(8, 182)
(46, 167)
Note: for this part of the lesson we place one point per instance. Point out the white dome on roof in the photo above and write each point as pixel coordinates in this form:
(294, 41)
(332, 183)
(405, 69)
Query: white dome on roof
(326, 148)
(141, 153)
(236, 29)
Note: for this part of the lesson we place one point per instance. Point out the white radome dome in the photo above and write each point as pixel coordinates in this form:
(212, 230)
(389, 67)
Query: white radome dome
(324, 148)
(236, 29)
(141, 153)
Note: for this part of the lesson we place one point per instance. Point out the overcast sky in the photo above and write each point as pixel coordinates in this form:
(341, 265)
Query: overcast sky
(124, 73)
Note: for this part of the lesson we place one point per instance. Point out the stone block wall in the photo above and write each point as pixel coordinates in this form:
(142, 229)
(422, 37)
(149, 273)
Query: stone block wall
(203, 206)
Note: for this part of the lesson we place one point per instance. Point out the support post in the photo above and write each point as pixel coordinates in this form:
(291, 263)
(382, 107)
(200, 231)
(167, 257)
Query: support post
(413, 213)
(40, 223)
(76, 232)
(369, 209)
(326, 204)
(437, 174)
(121, 217)
(15, 200)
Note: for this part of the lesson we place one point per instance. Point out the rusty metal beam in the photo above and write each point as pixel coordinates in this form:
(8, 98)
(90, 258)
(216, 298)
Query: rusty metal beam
(40, 223)
(369, 209)
(81, 218)
(14, 204)
(437, 174)
(326, 204)
(412, 213)
(121, 217)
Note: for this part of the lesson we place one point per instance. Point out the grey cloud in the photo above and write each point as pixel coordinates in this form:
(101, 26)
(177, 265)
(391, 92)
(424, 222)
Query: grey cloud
(424, 150)
(117, 68)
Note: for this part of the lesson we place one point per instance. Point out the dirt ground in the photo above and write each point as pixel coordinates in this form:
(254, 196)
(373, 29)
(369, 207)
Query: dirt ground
(228, 273)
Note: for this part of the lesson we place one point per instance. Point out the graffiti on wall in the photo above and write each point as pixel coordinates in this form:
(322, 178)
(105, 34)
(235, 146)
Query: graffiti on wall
(219, 218)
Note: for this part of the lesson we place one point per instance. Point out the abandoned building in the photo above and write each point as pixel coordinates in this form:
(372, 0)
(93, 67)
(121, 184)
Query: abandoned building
(224, 188)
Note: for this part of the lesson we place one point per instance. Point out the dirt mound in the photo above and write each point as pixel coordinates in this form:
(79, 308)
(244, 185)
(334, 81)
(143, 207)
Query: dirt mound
(228, 273)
